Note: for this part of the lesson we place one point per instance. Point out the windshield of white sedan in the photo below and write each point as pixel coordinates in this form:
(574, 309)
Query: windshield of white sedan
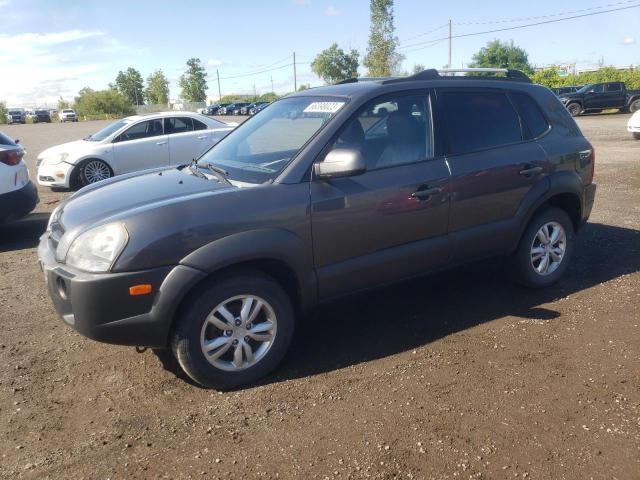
(260, 148)
(108, 130)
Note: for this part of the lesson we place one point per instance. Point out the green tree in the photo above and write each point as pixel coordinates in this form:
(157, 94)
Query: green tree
(63, 104)
(497, 54)
(194, 81)
(3, 112)
(382, 58)
(304, 86)
(417, 68)
(157, 91)
(268, 97)
(92, 102)
(549, 77)
(129, 83)
(334, 64)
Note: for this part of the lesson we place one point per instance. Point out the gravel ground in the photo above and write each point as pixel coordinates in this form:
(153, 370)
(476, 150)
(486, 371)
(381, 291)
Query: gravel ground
(472, 378)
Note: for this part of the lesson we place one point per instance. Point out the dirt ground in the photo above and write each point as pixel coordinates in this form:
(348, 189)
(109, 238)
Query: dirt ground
(459, 375)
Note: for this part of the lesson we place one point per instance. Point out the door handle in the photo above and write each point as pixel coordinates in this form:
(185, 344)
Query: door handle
(161, 143)
(426, 193)
(527, 172)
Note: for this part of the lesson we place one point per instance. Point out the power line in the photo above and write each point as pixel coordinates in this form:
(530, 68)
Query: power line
(250, 74)
(426, 33)
(525, 26)
(259, 69)
(549, 15)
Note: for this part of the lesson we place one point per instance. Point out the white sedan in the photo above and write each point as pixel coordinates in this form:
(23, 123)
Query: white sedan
(133, 143)
(633, 125)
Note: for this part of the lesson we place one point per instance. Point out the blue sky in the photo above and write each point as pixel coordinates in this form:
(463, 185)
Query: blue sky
(54, 48)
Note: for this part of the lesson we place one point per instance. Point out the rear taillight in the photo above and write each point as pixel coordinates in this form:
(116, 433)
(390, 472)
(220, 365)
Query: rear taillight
(11, 157)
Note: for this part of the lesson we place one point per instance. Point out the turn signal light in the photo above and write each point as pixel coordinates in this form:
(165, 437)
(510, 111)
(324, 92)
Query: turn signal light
(143, 289)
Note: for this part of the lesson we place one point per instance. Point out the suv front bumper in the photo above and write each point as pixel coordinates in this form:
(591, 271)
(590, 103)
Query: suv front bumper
(99, 306)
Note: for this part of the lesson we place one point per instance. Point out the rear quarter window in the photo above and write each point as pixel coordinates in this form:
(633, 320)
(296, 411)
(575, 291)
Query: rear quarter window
(478, 120)
(534, 119)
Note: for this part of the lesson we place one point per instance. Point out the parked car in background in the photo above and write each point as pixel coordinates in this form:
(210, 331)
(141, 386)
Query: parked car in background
(16, 115)
(633, 125)
(41, 116)
(68, 115)
(18, 195)
(595, 97)
(563, 90)
(215, 108)
(232, 108)
(257, 107)
(237, 109)
(313, 199)
(133, 143)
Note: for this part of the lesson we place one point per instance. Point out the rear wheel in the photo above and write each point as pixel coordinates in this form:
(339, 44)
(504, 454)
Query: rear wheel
(635, 106)
(545, 249)
(234, 330)
(574, 109)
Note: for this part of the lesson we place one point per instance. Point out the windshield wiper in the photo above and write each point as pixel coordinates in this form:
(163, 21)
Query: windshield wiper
(220, 173)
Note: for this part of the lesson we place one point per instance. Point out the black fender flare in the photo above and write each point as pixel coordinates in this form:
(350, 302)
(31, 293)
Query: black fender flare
(562, 182)
(276, 244)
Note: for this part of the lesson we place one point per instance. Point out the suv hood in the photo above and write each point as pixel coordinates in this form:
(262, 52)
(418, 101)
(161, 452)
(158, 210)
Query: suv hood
(121, 197)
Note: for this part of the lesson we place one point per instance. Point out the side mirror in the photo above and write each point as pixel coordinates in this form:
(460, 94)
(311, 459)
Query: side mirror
(340, 162)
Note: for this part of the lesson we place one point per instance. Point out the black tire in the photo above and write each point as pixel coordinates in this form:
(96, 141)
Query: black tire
(186, 336)
(521, 263)
(81, 179)
(634, 106)
(636, 135)
(574, 109)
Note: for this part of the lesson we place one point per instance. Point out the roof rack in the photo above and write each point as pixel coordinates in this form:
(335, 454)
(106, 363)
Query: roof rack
(364, 79)
(449, 73)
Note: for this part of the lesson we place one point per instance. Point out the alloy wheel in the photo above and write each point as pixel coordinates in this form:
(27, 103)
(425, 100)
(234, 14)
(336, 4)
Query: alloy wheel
(238, 332)
(95, 170)
(548, 248)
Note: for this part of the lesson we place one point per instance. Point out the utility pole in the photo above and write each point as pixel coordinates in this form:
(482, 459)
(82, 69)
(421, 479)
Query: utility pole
(255, 93)
(272, 83)
(219, 92)
(295, 78)
(449, 43)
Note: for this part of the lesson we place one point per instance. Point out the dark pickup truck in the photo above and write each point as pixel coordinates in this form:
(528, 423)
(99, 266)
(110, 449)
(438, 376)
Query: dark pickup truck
(596, 97)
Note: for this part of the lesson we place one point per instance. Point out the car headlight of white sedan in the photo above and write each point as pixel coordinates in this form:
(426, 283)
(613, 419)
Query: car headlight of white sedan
(54, 159)
(95, 250)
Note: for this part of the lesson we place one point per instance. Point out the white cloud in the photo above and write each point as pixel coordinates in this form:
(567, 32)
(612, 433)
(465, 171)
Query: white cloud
(295, 2)
(214, 62)
(628, 40)
(332, 11)
(4, 3)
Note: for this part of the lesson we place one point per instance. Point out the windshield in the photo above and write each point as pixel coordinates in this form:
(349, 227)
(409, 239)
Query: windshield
(585, 88)
(259, 149)
(108, 130)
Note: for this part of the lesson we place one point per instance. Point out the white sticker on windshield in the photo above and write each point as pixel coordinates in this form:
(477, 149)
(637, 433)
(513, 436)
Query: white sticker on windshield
(324, 107)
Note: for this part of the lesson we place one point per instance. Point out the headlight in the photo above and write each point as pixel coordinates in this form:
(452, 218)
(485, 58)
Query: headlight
(55, 159)
(97, 249)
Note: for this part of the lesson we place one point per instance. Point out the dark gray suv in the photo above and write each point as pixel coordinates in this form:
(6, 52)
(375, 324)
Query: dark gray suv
(327, 192)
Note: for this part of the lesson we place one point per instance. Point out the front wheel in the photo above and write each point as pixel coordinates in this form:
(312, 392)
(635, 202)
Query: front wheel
(635, 106)
(545, 249)
(234, 330)
(574, 109)
(93, 171)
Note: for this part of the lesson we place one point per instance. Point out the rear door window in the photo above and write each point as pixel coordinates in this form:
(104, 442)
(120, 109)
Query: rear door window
(479, 119)
(535, 122)
(178, 125)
